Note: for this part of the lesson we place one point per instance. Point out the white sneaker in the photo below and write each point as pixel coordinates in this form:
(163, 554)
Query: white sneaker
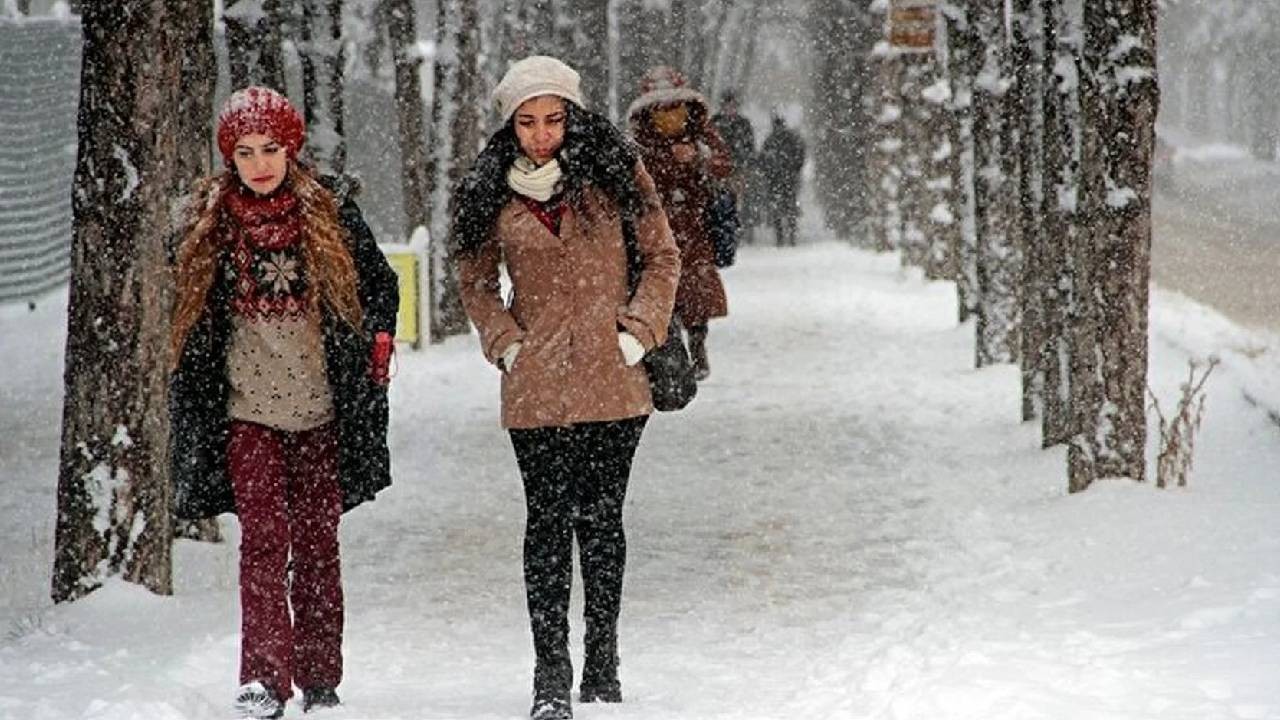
(255, 700)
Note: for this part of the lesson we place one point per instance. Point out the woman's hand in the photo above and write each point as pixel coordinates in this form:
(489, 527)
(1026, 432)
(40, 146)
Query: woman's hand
(684, 152)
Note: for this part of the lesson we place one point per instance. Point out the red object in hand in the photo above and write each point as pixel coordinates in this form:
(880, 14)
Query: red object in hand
(384, 346)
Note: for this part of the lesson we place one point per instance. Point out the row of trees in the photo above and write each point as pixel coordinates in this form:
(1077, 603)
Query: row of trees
(1016, 160)
(1224, 57)
(145, 122)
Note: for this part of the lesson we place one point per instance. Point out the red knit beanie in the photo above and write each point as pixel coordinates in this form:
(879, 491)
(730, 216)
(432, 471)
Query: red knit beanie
(259, 110)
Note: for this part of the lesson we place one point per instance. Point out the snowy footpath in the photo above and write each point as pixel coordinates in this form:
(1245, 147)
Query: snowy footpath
(849, 522)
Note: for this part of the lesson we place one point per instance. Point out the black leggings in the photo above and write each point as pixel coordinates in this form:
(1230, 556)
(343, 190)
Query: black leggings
(575, 482)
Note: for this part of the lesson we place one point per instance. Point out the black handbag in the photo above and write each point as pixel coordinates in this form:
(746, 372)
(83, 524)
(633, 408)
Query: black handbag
(670, 369)
(722, 225)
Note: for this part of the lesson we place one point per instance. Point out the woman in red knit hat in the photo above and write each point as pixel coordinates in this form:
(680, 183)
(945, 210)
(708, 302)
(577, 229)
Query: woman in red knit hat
(282, 330)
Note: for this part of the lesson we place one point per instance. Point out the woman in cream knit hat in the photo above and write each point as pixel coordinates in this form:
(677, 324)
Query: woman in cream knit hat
(548, 196)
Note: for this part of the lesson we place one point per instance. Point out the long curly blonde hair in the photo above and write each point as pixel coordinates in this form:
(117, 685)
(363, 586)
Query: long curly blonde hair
(325, 253)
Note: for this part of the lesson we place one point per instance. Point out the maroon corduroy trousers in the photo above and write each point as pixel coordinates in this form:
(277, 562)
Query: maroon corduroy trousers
(289, 503)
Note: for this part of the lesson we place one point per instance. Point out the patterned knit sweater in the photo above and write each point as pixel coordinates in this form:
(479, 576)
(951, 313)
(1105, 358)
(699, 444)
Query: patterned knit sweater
(276, 358)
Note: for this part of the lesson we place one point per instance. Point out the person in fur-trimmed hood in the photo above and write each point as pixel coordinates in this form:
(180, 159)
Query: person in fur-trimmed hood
(548, 197)
(687, 158)
(281, 337)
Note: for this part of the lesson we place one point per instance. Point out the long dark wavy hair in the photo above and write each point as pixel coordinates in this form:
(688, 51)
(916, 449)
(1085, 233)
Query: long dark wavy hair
(594, 152)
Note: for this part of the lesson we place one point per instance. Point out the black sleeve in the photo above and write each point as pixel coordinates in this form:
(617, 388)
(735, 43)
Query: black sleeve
(379, 287)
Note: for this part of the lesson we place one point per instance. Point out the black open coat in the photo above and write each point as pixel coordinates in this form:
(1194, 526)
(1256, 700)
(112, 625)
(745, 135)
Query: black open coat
(199, 389)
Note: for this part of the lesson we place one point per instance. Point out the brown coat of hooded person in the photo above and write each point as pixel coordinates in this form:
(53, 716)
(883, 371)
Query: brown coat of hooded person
(685, 182)
(684, 153)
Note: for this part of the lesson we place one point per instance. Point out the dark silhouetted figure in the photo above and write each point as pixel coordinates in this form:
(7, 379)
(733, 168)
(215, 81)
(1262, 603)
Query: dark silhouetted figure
(781, 159)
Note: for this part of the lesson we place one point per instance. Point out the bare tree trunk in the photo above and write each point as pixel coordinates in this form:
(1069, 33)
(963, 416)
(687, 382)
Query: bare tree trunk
(411, 124)
(941, 219)
(323, 56)
(540, 23)
(1037, 275)
(707, 17)
(740, 64)
(254, 37)
(195, 113)
(114, 514)
(680, 34)
(633, 39)
(515, 43)
(998, 260)
(718, 41)
(965, 63)
(455, 121)
(914, 134)
(195, 156)
(589, 30)
(840, 118)
(1058, 212)
(748, 69)
(887, 163)
(1109, 371)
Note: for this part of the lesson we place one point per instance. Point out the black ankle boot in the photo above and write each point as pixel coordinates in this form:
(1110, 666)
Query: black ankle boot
(604, 692)
(319, 698)
(698, 352)
(551, 708)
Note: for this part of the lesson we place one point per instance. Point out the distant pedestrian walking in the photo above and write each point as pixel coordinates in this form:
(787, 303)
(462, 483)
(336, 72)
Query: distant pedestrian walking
(781, 160)
(740, 137)
(282, 332)
(548, 198)
(687, 158)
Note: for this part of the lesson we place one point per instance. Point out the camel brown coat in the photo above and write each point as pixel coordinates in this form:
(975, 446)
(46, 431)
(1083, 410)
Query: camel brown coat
(686, 189)
(570, 298)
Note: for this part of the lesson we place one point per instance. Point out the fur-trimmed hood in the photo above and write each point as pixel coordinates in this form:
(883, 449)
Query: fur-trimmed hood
(663, 85)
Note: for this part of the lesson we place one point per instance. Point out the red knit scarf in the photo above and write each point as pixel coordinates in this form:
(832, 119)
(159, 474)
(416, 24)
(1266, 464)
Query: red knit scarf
(549, 213)
(266, 254)
(270, 222)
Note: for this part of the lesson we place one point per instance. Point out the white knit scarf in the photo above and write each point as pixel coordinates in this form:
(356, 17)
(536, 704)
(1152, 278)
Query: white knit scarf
(530, 180)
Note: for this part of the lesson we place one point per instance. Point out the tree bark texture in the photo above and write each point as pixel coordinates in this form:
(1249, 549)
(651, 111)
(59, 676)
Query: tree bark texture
(843, 37)
(914, 197)
(1119, 105)
(1058, 217)
(455, 121)
(402, 27)
(323, 56)
(965, 59)
(887, 162)
(113, 480)
(254, 43)
(998, 254)
(1028, 137)
(195, 114)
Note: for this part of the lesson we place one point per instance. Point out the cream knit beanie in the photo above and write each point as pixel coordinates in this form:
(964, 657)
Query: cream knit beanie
(533, 76)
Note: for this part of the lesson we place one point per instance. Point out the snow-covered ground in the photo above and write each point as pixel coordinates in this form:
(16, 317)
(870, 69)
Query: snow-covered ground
(1217, 236)
(849, 522)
